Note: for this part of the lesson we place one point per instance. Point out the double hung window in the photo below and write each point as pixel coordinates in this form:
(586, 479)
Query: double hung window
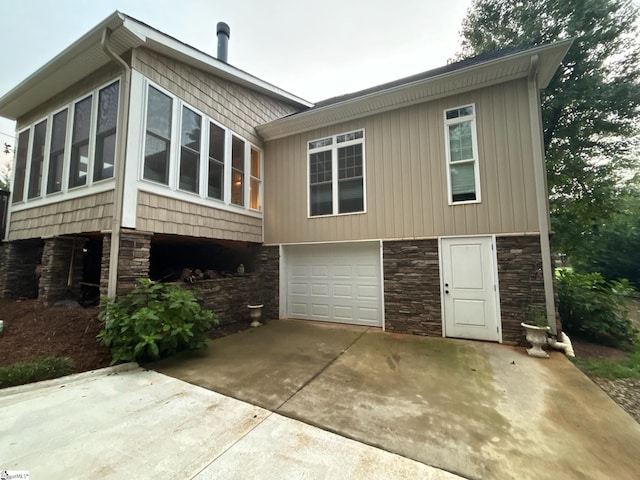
(336, 174)
(158, 137)
(462, 155)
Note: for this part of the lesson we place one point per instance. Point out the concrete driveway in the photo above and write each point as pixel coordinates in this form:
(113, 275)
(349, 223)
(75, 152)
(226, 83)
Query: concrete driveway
(478, 410)
(302, 400)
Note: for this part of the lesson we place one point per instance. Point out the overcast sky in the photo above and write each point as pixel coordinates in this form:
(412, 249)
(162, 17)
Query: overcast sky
(315, 50)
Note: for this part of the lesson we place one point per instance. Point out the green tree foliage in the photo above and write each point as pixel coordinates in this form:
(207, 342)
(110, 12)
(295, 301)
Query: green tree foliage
(595, 309)
(615, 245)
(590, 108)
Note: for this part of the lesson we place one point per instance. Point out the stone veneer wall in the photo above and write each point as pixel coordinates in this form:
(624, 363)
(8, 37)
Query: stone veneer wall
(18, 261)
(521, 283)
(60, 254)
(412, 287)
(104, 266)
(229, 296)
(133, 264)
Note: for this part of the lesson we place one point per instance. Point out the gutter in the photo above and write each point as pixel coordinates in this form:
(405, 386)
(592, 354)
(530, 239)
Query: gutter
(123, 112)
(542, 195)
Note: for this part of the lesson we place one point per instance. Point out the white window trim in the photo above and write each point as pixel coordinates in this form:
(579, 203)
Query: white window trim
(334, 172)
(260, 180)
(172, 189)
(474, 143)
(90, 187)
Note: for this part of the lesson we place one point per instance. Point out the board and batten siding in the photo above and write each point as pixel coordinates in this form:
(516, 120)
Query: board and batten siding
(406, 179)
(160, 214)
(232, 105)
(91, 213)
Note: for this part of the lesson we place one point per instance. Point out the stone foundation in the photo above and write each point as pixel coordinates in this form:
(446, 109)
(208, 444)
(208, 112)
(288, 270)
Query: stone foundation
(133, 262)
(521, 283)
(412, 287)
(18, 262)
(62, 265)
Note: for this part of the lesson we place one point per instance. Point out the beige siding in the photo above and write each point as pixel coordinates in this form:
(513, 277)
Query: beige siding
(406, 175)
(92, 213)
(235, 107)
(159, 214)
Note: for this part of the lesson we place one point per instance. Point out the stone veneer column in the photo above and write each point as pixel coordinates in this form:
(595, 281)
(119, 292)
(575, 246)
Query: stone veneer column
(412, 287)
(521, 282)
(268, 268)
(104, 264)
(18, 261)
(133, 264)
(59, 256)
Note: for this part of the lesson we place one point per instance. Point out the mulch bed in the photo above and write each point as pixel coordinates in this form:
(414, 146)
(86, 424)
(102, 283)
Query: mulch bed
(32, 330)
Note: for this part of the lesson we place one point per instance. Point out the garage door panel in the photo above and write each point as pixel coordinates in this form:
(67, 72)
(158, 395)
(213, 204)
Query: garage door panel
(320, 310)
(342, 291)
(369, 292)
(299, 288)
(319, 271)
(337, 282)
(320, 289)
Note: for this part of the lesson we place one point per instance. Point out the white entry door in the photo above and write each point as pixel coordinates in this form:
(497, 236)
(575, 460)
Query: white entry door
(469, 285)
(334, 282)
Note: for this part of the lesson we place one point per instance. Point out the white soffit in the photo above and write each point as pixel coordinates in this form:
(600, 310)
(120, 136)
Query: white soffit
(491, 72)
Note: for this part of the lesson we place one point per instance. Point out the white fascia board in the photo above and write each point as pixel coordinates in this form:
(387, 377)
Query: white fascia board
(507, 68)
(8, 107)
(162, 43)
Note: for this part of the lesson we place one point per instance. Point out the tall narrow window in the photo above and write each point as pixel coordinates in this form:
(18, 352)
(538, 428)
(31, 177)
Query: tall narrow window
(80, 143)
(320, 183)
(237, 171)
(158, 137)
(336, 174)
(216, 162)
(462, 154)
(190, 151)
(21, 166)
(37, 160)
(255, 180)
(106, 132)
(56, 155)
(350, 179)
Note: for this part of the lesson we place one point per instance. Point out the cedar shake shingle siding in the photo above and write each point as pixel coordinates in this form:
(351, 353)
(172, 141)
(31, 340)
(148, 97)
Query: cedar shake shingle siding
(232, 105)
(91, 213)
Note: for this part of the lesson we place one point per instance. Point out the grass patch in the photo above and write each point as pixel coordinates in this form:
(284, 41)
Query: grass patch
(611, 369)
(44, 368)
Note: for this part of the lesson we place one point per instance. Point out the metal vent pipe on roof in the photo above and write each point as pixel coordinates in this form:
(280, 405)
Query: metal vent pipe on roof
(223, 32)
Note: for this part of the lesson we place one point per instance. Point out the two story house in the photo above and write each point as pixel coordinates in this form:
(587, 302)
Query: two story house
(418, 206)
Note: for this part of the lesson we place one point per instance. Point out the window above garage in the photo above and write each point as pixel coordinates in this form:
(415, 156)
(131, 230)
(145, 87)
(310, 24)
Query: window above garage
(336, 172)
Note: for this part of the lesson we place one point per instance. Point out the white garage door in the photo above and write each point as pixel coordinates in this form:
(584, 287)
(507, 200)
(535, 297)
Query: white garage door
(334, 282)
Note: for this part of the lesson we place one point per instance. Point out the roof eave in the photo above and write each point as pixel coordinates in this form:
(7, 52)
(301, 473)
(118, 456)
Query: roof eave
(86, 55)
(428, 89)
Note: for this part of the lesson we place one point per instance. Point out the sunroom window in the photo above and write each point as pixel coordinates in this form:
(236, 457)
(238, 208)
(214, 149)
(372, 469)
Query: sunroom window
(255, 181)
(158, 137)
(336, 174)
(216, 161)
(80, 143)
(462, 155)
(190, 151)
(56, 156)
(21, 166)
(37, 159)
(106, 132)
(237, 171)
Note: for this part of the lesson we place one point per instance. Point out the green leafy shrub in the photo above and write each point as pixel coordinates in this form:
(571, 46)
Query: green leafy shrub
(593, 308)
(44, 368)
(155, 320)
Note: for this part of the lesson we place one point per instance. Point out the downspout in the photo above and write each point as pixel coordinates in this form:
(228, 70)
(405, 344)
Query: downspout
(119, 164)
(542, 203)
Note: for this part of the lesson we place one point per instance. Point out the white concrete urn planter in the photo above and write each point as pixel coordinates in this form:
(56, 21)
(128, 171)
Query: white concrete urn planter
(536, 336)
(255, 313)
